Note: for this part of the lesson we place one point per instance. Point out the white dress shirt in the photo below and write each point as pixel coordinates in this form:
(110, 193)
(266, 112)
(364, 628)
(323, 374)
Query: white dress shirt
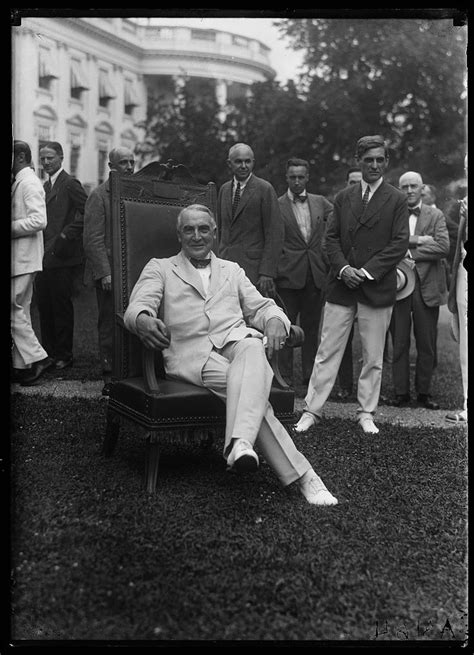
(302, 214)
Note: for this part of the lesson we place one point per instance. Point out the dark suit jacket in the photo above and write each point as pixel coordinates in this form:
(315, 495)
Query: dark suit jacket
(254, 237)
(65, 211)
(376, 241)
(297, 255)
(429, 257)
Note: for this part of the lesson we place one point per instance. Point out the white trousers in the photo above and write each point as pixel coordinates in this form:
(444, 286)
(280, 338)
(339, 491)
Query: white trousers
(461, 301)
(26, 347)
(241, 375)
(338, 320)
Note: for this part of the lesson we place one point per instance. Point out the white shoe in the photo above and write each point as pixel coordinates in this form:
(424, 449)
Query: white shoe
(314, 490)
(307, 420)
(367, 424)
(242, 457)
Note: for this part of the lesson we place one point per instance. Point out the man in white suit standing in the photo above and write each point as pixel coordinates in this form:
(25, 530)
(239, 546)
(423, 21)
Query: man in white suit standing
(212, 330)
(28, 214)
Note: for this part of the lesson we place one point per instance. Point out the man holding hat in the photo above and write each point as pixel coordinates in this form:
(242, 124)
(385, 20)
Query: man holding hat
(429, 245)
(365, 240)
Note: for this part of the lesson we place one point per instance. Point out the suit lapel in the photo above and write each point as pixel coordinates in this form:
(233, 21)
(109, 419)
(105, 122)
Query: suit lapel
(227, 198)
(186, 271)
(372, 213)
(56, 186)
(245, 197)
(291, 218)
(218, 276)
(313, 212)
(422, 220)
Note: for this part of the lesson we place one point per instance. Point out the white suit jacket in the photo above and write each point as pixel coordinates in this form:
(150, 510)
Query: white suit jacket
(28, 214)
(172, 289)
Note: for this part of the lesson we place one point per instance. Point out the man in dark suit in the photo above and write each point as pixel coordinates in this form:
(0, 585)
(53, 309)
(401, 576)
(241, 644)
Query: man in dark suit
(63, 255)
(98, 251)
(250, 227)
(365, 240)
(429, 245)
(302, 267)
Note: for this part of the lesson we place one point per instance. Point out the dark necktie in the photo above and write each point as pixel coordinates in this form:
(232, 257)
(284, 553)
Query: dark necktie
(365, 199)
(299, 198)
(236, 200)
(47, 186)
(416, 211)
(199, 263)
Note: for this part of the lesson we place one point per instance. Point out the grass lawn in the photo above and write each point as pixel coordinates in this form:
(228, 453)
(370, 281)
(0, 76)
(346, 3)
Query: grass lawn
(216, 556)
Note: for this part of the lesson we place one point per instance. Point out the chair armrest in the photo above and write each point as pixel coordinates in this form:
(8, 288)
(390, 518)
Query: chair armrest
(148, 362)
(294, 339)
(148, 367)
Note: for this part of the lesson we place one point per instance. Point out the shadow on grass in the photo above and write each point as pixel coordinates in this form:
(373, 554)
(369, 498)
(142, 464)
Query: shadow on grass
(216, 556)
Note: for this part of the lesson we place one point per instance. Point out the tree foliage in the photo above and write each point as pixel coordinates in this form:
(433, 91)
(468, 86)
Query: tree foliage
(402, 78)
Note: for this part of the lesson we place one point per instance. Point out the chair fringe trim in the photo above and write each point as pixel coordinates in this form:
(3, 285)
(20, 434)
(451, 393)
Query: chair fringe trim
(183, 436)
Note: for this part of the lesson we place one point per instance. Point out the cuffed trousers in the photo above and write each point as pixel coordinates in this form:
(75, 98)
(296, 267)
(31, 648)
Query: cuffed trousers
(338, 320)
(413, 310)
(240, 375)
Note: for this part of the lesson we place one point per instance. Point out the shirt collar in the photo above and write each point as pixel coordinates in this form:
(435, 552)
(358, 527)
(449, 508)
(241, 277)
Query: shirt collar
(291, 195)
(410, 209)
(372, 187)
(242, 184)
(55, 176)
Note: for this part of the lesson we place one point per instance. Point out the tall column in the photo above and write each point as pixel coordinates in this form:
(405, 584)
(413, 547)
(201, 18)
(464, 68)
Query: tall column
(221, 93)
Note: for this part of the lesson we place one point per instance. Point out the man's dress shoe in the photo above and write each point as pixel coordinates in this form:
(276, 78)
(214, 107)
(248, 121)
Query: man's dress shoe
(401, 400)
(425, 400)
(37, 371)
(242, 457)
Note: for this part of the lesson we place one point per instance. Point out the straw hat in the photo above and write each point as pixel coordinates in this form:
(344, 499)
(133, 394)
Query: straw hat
(405, 279)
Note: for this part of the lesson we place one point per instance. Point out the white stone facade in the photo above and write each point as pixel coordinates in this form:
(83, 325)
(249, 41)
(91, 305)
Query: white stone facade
(83, 81)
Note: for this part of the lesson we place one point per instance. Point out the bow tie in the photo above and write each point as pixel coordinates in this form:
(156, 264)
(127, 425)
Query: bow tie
(199, 263)
(416, 211)
(299, 198)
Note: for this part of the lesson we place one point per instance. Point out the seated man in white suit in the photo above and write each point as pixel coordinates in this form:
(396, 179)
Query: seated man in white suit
(215, 324)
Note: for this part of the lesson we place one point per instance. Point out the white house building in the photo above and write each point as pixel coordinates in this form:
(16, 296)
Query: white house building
(84, 81)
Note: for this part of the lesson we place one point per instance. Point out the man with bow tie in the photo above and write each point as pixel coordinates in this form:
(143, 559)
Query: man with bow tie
(63, 256)
(303, 266)
(249, 223)
(211, 324)
(428, 248)
(366, 238)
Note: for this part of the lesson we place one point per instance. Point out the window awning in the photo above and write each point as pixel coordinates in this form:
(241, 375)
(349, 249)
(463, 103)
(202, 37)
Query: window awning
(106, 89)
(78, 80)
(131, 98)
(46, 68)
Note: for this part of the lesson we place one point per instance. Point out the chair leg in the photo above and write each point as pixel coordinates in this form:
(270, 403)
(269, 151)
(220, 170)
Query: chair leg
(152, 461)
(111, 434)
